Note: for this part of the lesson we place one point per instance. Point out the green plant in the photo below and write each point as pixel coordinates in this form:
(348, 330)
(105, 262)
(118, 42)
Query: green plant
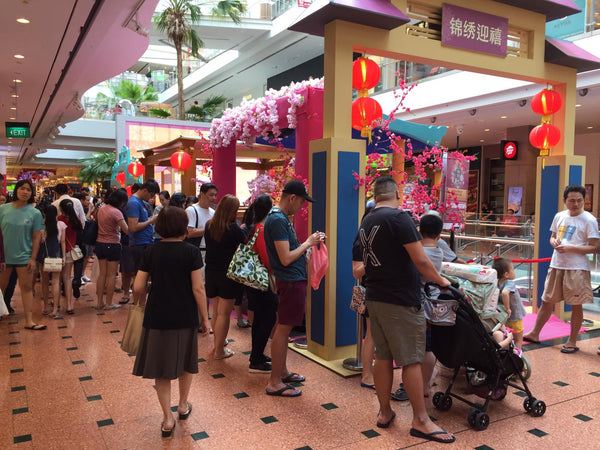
(97, 167)
(177, 20)
(208, 108)
(159, 112)
(127, 90)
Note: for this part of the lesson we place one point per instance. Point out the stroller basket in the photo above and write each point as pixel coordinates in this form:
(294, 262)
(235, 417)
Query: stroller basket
(439, 311)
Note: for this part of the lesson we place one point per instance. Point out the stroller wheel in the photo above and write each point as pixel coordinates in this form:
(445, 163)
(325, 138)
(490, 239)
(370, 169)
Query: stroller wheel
(526, 372)
(538, 408)
(528, 403)
(442, 401)
(472, 416)
(482, 420)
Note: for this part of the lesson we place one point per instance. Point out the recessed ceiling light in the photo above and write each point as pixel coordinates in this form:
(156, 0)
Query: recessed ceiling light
(577, 106)
(14, 108)
(11, 118)
(589, 128)
(487, 129)
(22, 20)
(503, 117)
(16, 80)
(19, 56)
(14, 96)
(481, 140)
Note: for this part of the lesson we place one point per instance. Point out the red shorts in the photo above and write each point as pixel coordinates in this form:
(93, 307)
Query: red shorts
(292, 302)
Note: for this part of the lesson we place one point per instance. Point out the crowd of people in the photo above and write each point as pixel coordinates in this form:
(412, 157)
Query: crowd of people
(173, 257)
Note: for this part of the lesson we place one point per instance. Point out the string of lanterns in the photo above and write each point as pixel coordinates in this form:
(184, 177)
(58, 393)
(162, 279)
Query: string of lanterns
(365, 110)
(545, 136)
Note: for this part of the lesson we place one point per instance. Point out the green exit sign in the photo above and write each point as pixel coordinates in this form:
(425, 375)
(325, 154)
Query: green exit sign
(17, 129)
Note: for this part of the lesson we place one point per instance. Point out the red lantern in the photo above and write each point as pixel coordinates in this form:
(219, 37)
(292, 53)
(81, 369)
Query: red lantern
(120, 177)
(364, 111)
(128, 189)
(181, 160)
(135, 169)
(546, 102)
(544, 136)
(365, 74)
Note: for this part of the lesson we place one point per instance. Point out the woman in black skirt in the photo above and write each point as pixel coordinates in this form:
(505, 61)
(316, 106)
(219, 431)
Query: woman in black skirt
(176, 306)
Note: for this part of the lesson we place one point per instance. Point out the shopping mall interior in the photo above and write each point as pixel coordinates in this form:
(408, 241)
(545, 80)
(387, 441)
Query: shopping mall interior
(71, 386)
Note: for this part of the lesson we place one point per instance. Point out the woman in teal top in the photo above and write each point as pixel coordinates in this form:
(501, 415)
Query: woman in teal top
(21, 226)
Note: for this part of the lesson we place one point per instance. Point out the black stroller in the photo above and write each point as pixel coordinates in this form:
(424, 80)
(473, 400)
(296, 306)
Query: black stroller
(458, 338)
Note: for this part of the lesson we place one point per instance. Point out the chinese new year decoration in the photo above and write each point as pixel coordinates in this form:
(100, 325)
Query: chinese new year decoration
(181, 160)
(365, 110)
(544, 136)
(120, 177)
(135, 169)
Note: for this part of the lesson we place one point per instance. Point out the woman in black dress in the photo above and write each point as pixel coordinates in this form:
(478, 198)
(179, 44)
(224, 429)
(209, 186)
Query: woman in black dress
(176, 306)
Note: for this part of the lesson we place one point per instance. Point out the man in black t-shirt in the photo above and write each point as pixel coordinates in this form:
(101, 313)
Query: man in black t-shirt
(393, 257)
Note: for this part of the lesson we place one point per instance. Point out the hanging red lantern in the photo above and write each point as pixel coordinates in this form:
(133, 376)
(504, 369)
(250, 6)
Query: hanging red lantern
(135, 169)
(120, 177)
(128, 189)
(365, 74)
(546, 102)
(181, 160)
(544, 136)
(365, 110)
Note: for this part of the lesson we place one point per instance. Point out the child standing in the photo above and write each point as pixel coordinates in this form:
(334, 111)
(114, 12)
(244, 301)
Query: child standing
(510, 299)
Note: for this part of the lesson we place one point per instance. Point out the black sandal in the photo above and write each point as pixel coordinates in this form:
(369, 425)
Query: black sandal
(185, 415)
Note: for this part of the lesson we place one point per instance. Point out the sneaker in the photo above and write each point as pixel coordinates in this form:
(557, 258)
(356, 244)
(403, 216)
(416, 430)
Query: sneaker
(243, 323)
(260, 368)
(400, 394)
(85, 278)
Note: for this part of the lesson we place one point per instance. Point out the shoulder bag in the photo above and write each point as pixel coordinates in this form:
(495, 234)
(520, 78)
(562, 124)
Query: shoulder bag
(358, 303)
(90, 232)
(76, 253)
(195, 240)
(247, 269)
(52, 264)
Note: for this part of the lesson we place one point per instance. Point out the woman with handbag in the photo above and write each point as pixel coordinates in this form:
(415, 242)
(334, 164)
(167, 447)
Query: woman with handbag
(51, 259)
(73, 226)
(222, 236)
(263, 303)
(176, 307)
(22, 226)
(111, 224)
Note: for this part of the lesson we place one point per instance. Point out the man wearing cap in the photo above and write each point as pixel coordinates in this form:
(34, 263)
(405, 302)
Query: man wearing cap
(287, 259)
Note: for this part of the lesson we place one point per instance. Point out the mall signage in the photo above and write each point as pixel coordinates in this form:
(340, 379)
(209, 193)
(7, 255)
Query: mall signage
(510, 150)
(17, 129)
(474, 30)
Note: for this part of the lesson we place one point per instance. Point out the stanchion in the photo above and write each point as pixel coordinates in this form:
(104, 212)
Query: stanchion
(356, 363)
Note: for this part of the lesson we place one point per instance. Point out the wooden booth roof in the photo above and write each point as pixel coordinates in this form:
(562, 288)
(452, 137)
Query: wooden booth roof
(161, 154)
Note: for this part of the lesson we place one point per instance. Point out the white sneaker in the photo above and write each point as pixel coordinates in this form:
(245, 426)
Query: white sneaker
(85, 278)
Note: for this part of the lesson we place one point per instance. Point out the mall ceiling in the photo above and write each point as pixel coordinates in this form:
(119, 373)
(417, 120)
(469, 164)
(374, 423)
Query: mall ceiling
(52, 52)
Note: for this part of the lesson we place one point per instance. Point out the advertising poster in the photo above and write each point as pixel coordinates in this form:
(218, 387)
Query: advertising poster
(473, 195)
(455, 192)
(515, 197)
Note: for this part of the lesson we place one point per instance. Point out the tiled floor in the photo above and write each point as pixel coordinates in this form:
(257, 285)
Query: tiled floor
(70, 386)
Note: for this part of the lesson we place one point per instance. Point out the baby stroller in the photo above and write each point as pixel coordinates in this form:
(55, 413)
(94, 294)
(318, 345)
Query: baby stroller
(459, 338)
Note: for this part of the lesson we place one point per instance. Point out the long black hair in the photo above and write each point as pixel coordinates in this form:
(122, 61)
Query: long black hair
(68, 210)
(50, 212)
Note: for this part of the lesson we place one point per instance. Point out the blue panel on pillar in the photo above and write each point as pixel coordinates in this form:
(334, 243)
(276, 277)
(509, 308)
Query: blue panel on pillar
(319, 213)
(347, 227)
(575, 175)
(550, 194)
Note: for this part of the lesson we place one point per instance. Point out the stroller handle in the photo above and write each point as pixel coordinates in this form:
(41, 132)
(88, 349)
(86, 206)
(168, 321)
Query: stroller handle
(455, 292)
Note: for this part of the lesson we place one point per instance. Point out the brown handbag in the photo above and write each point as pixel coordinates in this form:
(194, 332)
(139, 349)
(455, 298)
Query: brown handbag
(133, 329)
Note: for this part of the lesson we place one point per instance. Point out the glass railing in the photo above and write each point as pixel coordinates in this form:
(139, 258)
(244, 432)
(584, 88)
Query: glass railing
(480, 243)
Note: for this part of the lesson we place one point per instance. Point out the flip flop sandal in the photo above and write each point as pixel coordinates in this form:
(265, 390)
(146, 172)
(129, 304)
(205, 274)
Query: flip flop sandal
(293, 377)
(569, 349)
(185, 415)
(387, 424)
(36, 327)
(280, 392)
(432, 436)
(228, 354)
(169, 432)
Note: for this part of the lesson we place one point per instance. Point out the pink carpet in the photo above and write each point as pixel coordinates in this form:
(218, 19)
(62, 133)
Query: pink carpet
(554, 328)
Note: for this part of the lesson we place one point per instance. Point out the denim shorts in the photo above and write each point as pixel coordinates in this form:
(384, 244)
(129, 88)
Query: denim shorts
(111, 252)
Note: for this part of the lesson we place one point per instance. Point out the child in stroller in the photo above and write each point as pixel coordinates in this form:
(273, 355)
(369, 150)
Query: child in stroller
(462, 339)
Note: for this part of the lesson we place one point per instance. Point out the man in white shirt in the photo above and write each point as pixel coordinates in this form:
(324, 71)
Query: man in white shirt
(199, 213)
(62, 192)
